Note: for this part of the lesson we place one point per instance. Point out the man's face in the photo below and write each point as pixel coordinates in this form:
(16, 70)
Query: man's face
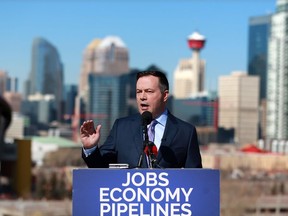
(149, 96)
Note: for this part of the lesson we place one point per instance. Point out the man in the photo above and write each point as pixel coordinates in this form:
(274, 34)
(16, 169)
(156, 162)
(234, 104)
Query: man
(175, 139)
(5, 119)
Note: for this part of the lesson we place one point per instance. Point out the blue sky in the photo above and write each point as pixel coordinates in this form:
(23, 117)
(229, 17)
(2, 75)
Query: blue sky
(155, 32)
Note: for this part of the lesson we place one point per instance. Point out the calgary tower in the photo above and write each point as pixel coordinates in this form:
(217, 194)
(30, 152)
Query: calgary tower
(196, 41)
(189, 74)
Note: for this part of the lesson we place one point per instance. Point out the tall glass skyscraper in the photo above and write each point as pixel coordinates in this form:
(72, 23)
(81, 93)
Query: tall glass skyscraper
(46, 76)
(108, 96)
(259, 31)
(70, 93)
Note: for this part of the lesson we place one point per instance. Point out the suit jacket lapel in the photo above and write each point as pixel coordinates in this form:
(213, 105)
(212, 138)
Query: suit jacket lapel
(138, 140)
(136, 130)
(169, 133)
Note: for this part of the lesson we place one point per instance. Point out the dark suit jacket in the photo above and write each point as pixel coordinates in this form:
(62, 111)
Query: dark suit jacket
(179, 147)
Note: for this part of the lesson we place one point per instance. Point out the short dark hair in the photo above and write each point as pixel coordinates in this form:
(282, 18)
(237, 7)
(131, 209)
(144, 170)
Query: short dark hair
(163, 81)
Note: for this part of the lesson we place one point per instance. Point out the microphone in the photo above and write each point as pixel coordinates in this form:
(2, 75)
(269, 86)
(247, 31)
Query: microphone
(151, 149)
(151, 152)
(146, 120)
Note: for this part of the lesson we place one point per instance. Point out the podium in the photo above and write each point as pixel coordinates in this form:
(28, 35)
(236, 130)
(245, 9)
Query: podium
(146, 192)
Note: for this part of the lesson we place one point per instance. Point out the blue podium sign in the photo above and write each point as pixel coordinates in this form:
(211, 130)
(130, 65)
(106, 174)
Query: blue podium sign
(146, 192)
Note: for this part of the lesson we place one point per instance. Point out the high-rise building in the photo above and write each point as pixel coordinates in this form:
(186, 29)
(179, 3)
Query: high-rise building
(12, 84)
(7, 83)
(108, 56)
(259, 32)
(70, 93)
(88, 64)
(46, 76)
(200, 111)
(277, 85)
(8, 89)
(16, 129)
(238, 106)
(108, 97)
(112, 56)
(40, 108)
(189, 73)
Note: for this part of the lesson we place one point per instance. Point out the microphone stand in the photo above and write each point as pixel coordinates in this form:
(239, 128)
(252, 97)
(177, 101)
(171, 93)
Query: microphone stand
(145, 144)
(152, 155)
(147, 150)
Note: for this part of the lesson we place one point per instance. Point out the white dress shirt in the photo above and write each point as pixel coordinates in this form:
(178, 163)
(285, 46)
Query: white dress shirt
(159, 128)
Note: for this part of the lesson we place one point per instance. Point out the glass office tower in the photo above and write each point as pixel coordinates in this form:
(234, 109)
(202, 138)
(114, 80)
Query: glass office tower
(70, 93)
(46, 76)
(259, 31)
(108, 96)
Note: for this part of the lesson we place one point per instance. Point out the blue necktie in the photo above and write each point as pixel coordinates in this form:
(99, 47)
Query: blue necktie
(151, 130)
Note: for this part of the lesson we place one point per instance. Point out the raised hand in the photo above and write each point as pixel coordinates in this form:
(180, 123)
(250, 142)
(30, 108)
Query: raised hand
(89, 136)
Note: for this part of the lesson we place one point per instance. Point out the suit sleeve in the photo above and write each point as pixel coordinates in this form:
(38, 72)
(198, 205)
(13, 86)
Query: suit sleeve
(105, 154)
(193, 159)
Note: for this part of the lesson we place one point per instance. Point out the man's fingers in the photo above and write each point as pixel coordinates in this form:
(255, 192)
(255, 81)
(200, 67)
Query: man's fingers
(98, 128)
(87, 128)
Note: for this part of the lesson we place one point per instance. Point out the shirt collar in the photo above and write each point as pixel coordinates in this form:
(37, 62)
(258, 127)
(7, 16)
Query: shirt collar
(162, 119)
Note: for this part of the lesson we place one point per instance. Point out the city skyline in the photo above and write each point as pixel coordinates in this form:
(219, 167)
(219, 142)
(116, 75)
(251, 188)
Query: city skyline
(154, 33)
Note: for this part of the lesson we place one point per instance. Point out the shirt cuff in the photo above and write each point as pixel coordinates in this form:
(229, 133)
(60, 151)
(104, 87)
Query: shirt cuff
(88, 152)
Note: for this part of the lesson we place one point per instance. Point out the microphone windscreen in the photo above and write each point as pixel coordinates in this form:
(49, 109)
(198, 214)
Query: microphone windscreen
(153, 150)
(146, 118)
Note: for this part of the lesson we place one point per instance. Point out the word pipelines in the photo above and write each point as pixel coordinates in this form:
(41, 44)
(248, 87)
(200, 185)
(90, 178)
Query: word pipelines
(137, 209)
(155, 198)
